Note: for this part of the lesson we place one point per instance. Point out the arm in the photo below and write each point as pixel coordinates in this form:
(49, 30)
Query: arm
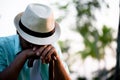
(13, 70)
(59, 70)
(56, 68)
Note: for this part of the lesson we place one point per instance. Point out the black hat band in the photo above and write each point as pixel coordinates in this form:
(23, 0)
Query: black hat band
(33, 33)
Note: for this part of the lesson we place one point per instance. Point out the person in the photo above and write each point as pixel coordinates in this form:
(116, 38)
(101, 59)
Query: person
(33, 53)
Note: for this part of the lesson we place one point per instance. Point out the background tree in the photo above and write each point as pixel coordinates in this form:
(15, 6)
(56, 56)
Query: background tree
(95, 41)
(117, 73)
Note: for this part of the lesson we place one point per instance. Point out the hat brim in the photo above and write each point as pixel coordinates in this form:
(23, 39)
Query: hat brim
(37, 40)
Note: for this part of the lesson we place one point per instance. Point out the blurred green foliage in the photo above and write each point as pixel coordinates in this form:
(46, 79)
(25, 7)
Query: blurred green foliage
(95, 41)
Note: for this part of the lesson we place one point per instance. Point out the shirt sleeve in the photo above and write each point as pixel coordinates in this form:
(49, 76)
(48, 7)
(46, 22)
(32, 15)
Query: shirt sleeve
(3, 61)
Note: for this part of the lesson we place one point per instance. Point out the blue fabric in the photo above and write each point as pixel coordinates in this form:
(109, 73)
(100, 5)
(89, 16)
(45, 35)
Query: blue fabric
(9, 47)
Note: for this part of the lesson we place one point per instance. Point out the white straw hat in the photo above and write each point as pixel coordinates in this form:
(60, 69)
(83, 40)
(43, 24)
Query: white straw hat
(36, 25)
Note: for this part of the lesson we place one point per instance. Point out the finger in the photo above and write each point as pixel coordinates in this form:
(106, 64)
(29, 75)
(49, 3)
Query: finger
(47, 60)
(40, 50)
(43, 61)
(46, 51)
(54, 57)
(51, 51)
(34, 48)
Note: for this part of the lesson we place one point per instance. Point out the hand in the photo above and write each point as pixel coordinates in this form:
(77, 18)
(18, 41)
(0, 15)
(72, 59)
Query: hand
(28, 53)
(46, 53)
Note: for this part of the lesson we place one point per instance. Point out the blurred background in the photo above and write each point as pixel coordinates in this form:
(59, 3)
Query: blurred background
(89, 34)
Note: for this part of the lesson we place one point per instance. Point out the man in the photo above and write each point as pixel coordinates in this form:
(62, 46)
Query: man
(32, 54)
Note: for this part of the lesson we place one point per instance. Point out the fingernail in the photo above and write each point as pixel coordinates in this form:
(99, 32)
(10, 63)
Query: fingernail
(41, 57)
(34, 48)
(55, 58)
(37, 53)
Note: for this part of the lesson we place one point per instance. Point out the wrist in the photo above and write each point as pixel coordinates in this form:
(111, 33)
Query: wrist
(25, 56)
(28, 53)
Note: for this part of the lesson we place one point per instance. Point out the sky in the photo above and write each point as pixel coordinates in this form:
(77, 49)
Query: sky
(9, 9)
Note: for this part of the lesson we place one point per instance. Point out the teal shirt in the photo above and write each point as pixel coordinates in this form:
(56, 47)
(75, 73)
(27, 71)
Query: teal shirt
(9, 47)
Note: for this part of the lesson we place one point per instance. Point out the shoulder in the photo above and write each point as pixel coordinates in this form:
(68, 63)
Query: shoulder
(6, 41)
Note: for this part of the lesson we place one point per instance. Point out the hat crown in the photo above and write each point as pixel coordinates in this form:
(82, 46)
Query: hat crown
(36, 25)
(38, 18)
